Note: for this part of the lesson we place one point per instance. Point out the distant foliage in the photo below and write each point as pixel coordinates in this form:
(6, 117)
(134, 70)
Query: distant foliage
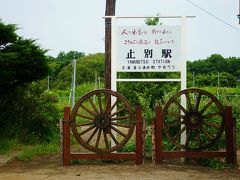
(215, 63)
(88, 68)
(69, 56)
(153, 21)
(56, 65)
(214, 79)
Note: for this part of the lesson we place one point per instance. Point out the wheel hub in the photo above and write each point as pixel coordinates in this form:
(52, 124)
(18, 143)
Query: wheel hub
(102, 121)
(193, 120)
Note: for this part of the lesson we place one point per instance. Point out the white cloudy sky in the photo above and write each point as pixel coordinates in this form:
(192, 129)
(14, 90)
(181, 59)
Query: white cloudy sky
(64, 25)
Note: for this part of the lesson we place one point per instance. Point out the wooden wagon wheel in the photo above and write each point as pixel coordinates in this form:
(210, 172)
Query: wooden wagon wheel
(96, 122)
(201, 119)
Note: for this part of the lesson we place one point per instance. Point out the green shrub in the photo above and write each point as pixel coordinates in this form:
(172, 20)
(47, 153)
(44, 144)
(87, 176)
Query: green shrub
(29, 114)
(81, 90)
(130, 146)
(7, 144)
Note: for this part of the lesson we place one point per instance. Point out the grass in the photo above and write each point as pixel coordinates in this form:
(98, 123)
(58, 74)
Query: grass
(7, 144)
(29, 152)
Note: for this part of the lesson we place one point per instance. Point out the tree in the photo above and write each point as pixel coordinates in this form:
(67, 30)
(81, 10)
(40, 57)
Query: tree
(212, 79)
(22, 61)
(215, 63)
(153, 21)
(69, 56)
(27, 112)
(7, 34)
(87, 68)
(63, 59)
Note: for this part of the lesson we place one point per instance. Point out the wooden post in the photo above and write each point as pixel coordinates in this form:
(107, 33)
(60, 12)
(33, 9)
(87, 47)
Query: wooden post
(153, 141)
(61, 139)
(144, 129)
(66, 137)
(139, 157)
(230, 136)
(158, 135)
(110, 11)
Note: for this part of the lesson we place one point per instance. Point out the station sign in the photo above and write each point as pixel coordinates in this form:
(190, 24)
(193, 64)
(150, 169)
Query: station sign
(148, 48)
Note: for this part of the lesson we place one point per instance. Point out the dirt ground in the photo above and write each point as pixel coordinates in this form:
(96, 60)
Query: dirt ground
(49, 167)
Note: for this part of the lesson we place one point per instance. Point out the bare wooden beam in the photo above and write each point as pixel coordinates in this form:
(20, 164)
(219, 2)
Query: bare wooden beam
(110, 11)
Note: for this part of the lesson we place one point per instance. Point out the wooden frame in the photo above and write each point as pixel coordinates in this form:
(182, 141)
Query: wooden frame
(230, 134)
(68, 156)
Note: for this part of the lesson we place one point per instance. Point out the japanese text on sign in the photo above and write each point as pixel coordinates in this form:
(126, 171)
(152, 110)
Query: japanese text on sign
(148, 48)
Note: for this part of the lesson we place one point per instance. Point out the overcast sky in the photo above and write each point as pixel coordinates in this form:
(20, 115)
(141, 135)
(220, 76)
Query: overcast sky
(65, 25)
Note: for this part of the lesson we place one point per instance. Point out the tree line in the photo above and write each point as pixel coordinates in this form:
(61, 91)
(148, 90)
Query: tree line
(212, 71)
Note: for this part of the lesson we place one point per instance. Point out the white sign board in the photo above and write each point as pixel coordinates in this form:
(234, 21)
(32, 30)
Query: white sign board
(148, 49)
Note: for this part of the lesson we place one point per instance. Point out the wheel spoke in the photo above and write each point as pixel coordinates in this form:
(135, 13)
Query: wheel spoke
(105, 139)
(198, 137)
(189, 104)
(93, 105)
(118, 131)
(120, 118)
(84, 124)
(88, 110)
(207, 134)
(180, 132)
(188, 137)
(86, 130)
(113, 137)
(212, 115)
(175, 147)
(174, 124)
(113, 106)
(179, 116)
(180, 106)
(121, 125)
(100, 103)
(90, 137)
(118, 111)
(206, 107)
(98, 138)
(197, 102)
(85, 117)
(212, 124)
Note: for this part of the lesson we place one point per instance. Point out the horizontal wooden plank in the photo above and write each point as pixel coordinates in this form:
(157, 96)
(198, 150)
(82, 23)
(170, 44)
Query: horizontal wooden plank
(193, 154)
(116, 156)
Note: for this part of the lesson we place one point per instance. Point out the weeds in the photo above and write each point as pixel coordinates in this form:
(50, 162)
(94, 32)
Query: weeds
(30, 152)
(7, 144)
